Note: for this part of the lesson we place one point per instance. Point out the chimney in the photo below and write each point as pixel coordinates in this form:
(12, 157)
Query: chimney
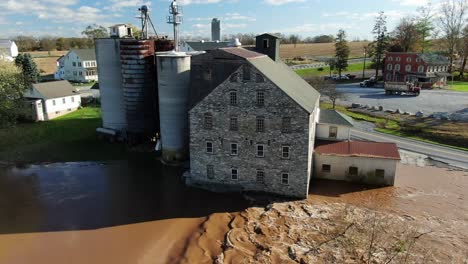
(268, 44)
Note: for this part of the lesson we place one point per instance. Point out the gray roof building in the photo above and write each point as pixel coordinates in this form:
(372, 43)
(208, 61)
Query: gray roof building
(333, 117)
(86, 54)
(57, 89)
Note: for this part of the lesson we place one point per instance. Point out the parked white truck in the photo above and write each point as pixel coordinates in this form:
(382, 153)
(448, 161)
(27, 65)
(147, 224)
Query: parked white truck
(402, 88)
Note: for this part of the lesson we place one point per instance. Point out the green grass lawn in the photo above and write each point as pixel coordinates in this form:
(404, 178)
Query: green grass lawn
(458, 86)
(386, 126)
(68, 138)
(326, 70)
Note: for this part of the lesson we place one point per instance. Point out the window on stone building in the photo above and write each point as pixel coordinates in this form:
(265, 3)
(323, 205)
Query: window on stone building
(234, 174)
(210, 171)
(326, 168)
(259, 78)
(333, 131)
(260, 151)
(234, 149)
(233, 123)
(260, 124)
(233, 98)
(285, 178)
(353, 171)
(408, 68)
(285, 152)
(260, 98)
(286, 125)
(246, 73)
(209, 147)
(260, 176)
(380, 173)
(208, 121)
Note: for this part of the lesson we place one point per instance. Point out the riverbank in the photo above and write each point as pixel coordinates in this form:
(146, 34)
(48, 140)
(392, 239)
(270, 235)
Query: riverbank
(68, 138)
(422, 218)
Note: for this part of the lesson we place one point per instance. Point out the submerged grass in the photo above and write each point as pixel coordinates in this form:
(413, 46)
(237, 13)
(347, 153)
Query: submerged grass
(68, 138)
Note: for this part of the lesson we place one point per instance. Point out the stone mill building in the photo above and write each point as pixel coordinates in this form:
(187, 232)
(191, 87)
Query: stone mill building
(253, 127)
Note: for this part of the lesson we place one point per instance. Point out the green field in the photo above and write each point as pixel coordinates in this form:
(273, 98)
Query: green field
(355, 67)
(458, 86)
(68, 138)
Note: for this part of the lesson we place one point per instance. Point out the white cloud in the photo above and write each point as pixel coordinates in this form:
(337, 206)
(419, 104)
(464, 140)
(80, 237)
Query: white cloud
(411, 2)
(237, 16)
(188, 2)
(282, 2)
(117, 5)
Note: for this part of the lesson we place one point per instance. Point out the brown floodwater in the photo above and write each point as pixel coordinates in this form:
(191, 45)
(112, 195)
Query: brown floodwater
(140, 212)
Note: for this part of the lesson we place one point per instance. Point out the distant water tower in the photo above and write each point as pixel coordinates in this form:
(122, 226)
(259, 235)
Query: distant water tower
(215, 29)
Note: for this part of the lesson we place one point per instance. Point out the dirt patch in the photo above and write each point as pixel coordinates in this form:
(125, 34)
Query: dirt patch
(319, 49)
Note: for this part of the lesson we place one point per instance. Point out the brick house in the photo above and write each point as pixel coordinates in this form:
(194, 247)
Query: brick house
(256, 130)
(426, 69)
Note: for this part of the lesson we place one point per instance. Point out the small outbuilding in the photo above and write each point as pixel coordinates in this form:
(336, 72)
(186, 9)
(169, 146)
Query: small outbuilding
(49, 100)
(357, 161)
(333, 126)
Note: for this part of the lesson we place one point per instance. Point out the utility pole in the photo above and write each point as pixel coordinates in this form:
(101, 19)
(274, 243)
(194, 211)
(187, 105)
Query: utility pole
(364, 67)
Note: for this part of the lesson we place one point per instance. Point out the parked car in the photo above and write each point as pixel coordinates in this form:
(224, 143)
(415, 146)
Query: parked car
(351, 76)
(342, 77)
(367, 83)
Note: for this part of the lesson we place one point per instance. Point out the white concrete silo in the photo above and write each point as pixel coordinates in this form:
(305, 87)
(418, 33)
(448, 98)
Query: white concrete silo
(173, 70)
(110, 84)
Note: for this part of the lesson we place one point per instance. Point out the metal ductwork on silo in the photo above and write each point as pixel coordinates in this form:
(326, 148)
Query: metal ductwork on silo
(174, 94)
(110, 85)
(139, 88)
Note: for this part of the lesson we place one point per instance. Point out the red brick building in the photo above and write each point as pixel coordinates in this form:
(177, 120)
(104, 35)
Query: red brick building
(426, 69)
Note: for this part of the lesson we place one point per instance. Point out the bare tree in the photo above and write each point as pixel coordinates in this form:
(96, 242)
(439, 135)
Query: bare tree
(326, 88)
(425, 26)
(464, 50)
(406, 34)
(451, 23)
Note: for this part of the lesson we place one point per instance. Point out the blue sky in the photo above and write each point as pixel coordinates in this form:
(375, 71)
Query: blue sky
(303, 17)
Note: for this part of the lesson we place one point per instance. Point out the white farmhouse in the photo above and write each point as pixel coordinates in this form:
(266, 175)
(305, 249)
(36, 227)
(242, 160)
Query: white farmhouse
(77, 65)
(8, 49)
(51, 99)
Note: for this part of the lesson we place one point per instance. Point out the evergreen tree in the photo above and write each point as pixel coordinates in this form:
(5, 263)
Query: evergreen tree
(341, 52)
(29, 68)
(379, 46)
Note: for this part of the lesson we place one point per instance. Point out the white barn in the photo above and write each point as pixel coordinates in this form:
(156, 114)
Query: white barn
(51, 99)
(77, 65)
(8, 49)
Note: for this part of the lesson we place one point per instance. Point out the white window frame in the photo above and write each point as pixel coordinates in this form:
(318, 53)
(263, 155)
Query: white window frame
(260, 174)
(390, 58)
(408, 59)
(64, 100)
(330, 132)
(408, 67)
(397, 59)
(234, 149)
(288, 151)
(287, 178)
(421, 68)
(72, 99)
(236, 174)
(53, 102)
(397, 67)
(257, 151)
(207, 147)
(389, 67)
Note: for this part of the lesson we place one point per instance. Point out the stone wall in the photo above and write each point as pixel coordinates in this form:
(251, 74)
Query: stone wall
(277, 105)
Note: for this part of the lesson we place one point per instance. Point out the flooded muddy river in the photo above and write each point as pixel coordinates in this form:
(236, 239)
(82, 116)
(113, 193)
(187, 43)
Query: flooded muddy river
(140, 211)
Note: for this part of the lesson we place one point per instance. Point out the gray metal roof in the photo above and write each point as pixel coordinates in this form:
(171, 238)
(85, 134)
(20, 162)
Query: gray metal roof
(207, 45)
(268, 34)
(328, 116)
(434, 58)
(56, 89)
(288, 81)
(86, 54)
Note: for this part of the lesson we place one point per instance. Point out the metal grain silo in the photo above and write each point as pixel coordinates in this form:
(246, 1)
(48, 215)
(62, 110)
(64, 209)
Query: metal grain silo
(139, 88)
(173, 70)
(110, 84)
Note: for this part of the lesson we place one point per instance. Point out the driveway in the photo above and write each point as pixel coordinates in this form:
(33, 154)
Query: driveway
(429, 101)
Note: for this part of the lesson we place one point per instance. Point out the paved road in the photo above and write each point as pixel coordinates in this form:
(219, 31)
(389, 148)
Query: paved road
(429, 101)
(457, 158)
